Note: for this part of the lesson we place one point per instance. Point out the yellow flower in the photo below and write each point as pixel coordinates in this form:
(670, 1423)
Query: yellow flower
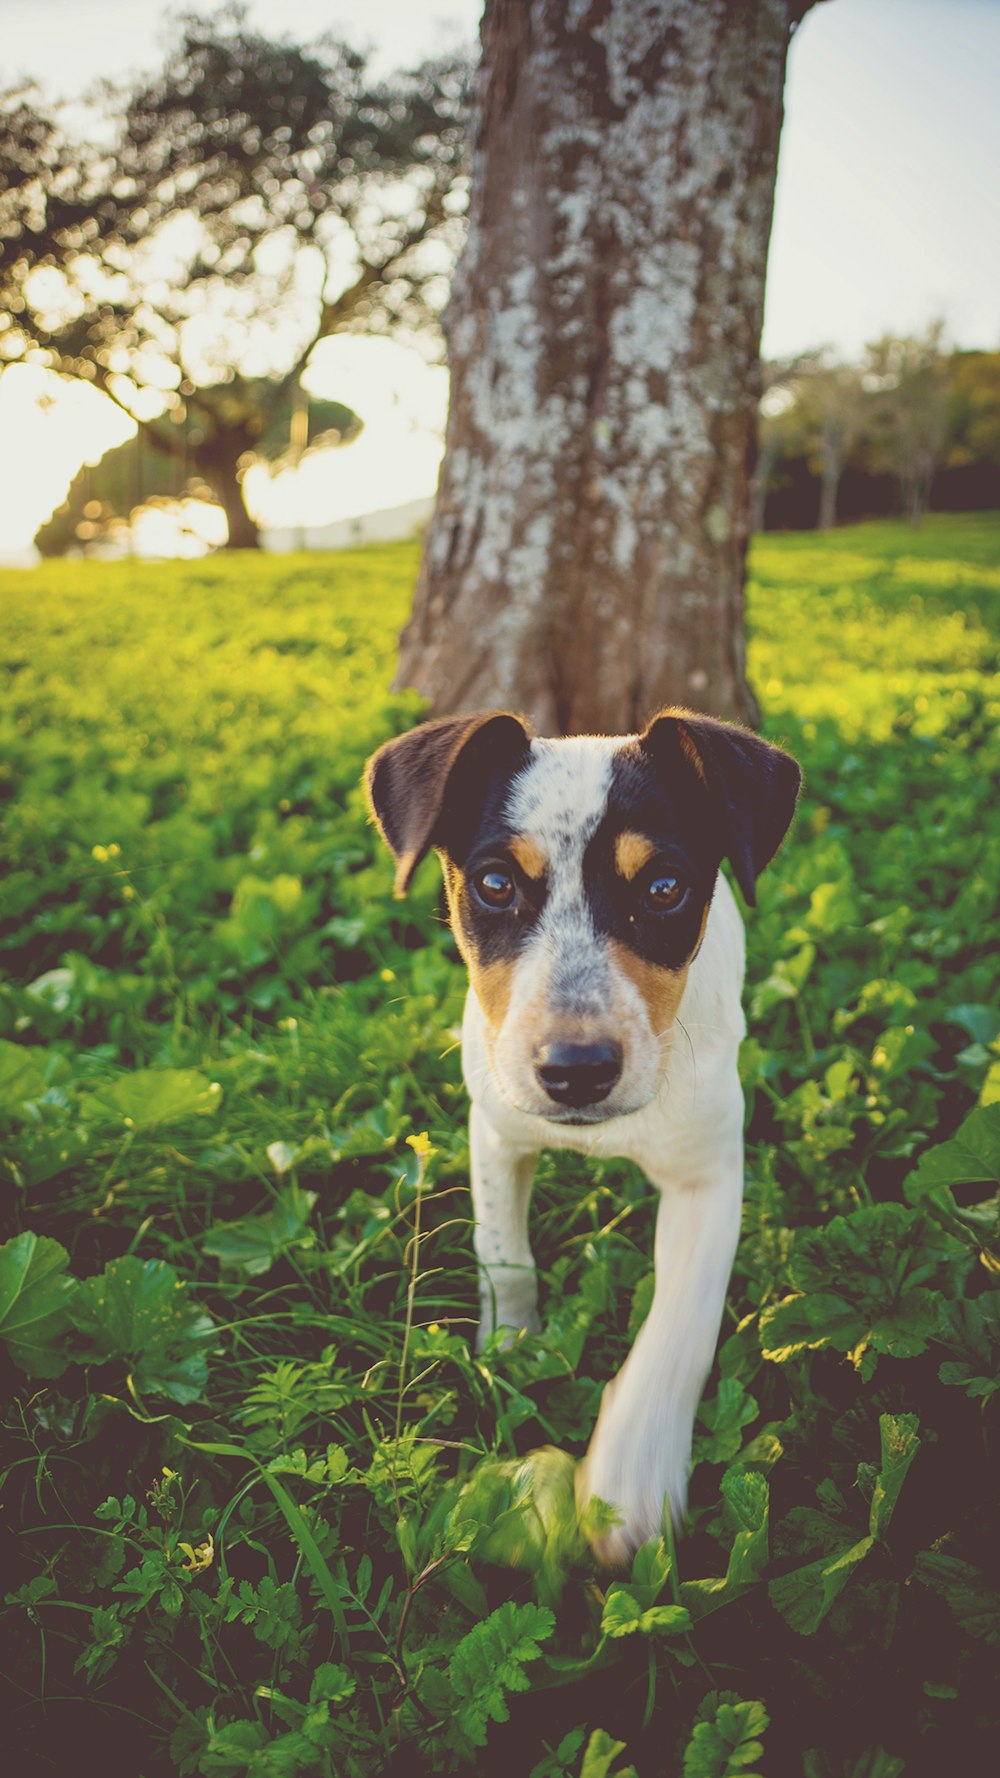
(421, 1145)
(100, 853)
(200, 1555)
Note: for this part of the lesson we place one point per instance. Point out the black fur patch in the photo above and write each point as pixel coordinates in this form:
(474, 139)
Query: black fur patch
(676, 818)
(478, 835)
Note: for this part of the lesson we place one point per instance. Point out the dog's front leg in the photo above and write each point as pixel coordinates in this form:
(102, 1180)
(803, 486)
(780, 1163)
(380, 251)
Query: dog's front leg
(501, 1195)
(640, 1451)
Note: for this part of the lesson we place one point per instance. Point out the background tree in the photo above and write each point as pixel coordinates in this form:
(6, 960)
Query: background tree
(910, 375)
(779, 431)
(586, 557)
(974, 417)
(834, 409)
(106, 498)
(255, 198)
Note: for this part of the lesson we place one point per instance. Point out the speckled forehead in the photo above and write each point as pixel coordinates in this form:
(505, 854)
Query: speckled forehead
(562, 795)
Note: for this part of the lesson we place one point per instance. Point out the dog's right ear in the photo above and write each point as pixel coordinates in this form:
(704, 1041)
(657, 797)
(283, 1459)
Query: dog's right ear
(414, 782)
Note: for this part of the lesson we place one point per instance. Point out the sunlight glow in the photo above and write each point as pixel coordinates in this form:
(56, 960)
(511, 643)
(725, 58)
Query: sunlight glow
(52, 426)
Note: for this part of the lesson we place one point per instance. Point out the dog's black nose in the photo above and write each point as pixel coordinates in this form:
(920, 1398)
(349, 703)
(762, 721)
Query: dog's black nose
(578, 1073)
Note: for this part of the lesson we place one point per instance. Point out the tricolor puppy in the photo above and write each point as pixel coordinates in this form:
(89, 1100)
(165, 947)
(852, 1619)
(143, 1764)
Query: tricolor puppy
(605, 954)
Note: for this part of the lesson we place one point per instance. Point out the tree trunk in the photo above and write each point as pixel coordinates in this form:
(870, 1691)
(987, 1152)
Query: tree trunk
(585, 562)
(218, 460)
(829, 487)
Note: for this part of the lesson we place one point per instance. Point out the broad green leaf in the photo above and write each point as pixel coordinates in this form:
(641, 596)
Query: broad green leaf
(139, 1311)
(900, 1443)
(972, 1330)
(22, 1074)
(980, 1021)
(746, 1495)
(864, 1288)
(970, 1157)
(805, 1596)
(725, 1416)
(971, 1596)
(35, 1295)
(253, 1243)
(149, 1097)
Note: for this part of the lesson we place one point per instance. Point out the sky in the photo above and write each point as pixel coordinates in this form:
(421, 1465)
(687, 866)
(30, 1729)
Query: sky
(887, 215)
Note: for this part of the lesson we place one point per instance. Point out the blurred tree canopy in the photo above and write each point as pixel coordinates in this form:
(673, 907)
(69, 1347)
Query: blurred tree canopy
(250, 199)
(106, 498)
(909, 424)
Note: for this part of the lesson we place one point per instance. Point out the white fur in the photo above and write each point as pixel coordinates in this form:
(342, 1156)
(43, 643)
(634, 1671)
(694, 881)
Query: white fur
(564, 975)
(686, 1131)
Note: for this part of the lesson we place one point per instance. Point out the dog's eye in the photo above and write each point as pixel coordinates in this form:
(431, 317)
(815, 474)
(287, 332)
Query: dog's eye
(494, 888)
(665, 893)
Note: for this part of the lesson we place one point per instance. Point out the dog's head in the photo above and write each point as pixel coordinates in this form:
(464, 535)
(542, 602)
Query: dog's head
(579, 874)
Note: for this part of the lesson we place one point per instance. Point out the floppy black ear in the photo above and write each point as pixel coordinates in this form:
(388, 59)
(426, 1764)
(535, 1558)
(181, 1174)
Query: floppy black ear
(410, 780)
(753, 785)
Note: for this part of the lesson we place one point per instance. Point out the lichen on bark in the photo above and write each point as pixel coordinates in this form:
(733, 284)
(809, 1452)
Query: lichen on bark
(585, 561)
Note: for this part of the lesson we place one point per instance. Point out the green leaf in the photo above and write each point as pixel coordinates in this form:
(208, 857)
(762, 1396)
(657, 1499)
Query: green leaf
(725, 1739)
(35, 1296)
(980, 1021)
(900, 1443)
(332, 1684)
(490, 1660)
(602, 1751)
(864, 1288)
(972, 1329)
(746, 1495)
(253, 1243)
(805, 1596)
(526, 1507)
(149, 1097)
(557, 1762)
(876, 1763)
(970, 1157)
(725, 1417)
(22, 1074)
(624, 1614)
(139, 1311)
(971, 1596)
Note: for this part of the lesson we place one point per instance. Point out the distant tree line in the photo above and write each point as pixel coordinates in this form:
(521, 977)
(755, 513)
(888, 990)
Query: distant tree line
(911, 425)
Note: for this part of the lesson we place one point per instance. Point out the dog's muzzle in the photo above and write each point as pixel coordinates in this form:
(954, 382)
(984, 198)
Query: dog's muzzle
(578, 1074)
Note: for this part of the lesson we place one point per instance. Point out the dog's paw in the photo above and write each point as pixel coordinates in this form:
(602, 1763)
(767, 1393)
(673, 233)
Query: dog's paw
(623, 1498)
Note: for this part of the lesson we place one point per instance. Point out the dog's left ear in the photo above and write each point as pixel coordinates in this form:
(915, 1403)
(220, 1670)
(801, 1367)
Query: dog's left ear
(426, 782)
(753, 785)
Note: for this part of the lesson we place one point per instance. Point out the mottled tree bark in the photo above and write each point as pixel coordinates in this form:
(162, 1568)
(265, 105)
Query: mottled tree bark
(585, 562)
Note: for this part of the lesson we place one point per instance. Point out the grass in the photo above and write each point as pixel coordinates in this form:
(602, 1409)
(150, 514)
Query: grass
(266, 1513)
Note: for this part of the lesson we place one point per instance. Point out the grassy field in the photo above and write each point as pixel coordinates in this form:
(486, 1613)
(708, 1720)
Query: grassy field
(262, 1510)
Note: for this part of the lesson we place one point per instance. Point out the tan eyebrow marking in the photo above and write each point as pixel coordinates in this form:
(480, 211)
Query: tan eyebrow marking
(528, 855)
(632, 851)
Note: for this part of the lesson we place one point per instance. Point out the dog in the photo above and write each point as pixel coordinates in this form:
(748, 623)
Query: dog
(584, 888)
